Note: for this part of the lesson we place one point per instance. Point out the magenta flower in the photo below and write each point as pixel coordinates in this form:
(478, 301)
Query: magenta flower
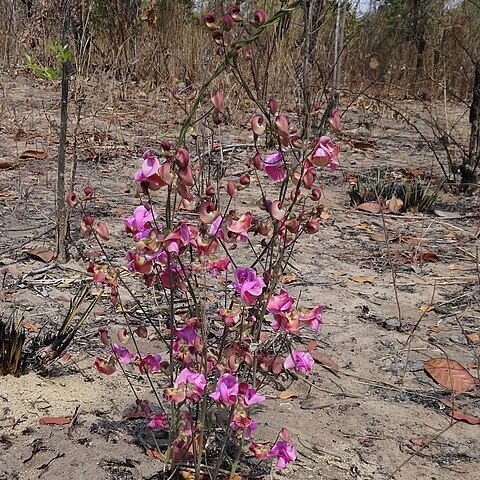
(187, 385)
(313, 318)
(325, 153)
(249, 395)
(301, 362)
(148, 169)
(122, 353)
(273, 167)
(150, 363)
(216, 228)
(283, 451)
(248, 285)
(158, 420)
(281, 303)
(241, 421)
(227, 390)
(140, 223)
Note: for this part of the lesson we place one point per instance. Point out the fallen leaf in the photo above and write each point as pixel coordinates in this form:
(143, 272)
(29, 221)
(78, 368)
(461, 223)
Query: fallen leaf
(473, 337)
(7, 164)
(378, 237)
(429, 257)
(362, 145)
(54, 420)
(362, 279)
(325, 215)
(451, 375)
(394, 204)
(324, 360)
(363, 226)
(457, 415)
(285, 395)
(311, 345)
(420, 442)
(371, 207)
(41, 253)
(37, 154)
(435, 329)
(287, 278)
(426, 308)
(31, 327)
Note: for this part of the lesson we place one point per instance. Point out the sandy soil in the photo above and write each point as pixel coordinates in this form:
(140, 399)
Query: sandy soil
(379, 417)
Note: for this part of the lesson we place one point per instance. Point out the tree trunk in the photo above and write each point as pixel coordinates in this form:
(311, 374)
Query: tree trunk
(61, 230)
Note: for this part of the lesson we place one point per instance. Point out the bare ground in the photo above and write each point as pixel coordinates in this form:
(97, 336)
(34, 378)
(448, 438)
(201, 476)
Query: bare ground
(379, 417)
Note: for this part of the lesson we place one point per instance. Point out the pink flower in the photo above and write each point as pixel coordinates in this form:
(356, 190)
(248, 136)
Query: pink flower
(216, 228)
(217, 266)
(286, 321)
(140, 223)
(249, 395)
(283, 450)
(313, 318)
(188, 384)
(273, 167)
(240, 227)
(149, 167)
(107, 367)
(150, 363)
(122, 353)
(301, 362)
(281, 303)
(227, 390)
(158, 420)
(241, 421)
(248, 285)
(325, 153)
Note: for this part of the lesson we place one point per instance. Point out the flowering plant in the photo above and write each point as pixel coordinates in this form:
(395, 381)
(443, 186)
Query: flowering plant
(224, 266)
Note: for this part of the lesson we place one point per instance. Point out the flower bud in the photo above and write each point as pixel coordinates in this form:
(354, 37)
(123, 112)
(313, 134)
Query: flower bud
(217, 101)
(234, 11)
(258, 125)
(257, 161)
(316, 194)
(88, 191)
(259, 17)
(72, 199)
(244, 179)
(273, 105)
(227, 22)
(312, 226)
(230, 188)
(210, 191)
(88, 220)
(209, 21)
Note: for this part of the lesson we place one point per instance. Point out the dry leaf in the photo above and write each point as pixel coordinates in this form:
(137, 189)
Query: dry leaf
(371, 207)
(394, 204)
(451, 375)
(378, 237)
(37, 154)
(453, 266)
(435, 329)
(445, 214)
(456, 415)
(362, 145)
(287, 278)
(324, 360)
(7, 164)
(426, 308)
(54, 420)
(325, 215)
(31, 327)
(41, 253)
(362, 279)
(311, 345)
(287, 394)
(429, 257)
(363, 226)
(473, 337)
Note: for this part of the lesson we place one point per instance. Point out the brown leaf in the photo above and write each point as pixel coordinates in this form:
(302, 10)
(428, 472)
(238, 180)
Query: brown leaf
(287, 278)
(362, 145)
(429, 257)
(362, 279)
(287, 394)
(371, 207)
(155, 454)
(324, 360)
(54, 420)
(37, 154)
(363, 226)
(31, 327)
(473, 337)
(41, 253)
(450, 374)
(378, 237)
(426, 308)
(445, 214)
(311, 345)
(394, 204)
(456, 415)
(7, 165)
